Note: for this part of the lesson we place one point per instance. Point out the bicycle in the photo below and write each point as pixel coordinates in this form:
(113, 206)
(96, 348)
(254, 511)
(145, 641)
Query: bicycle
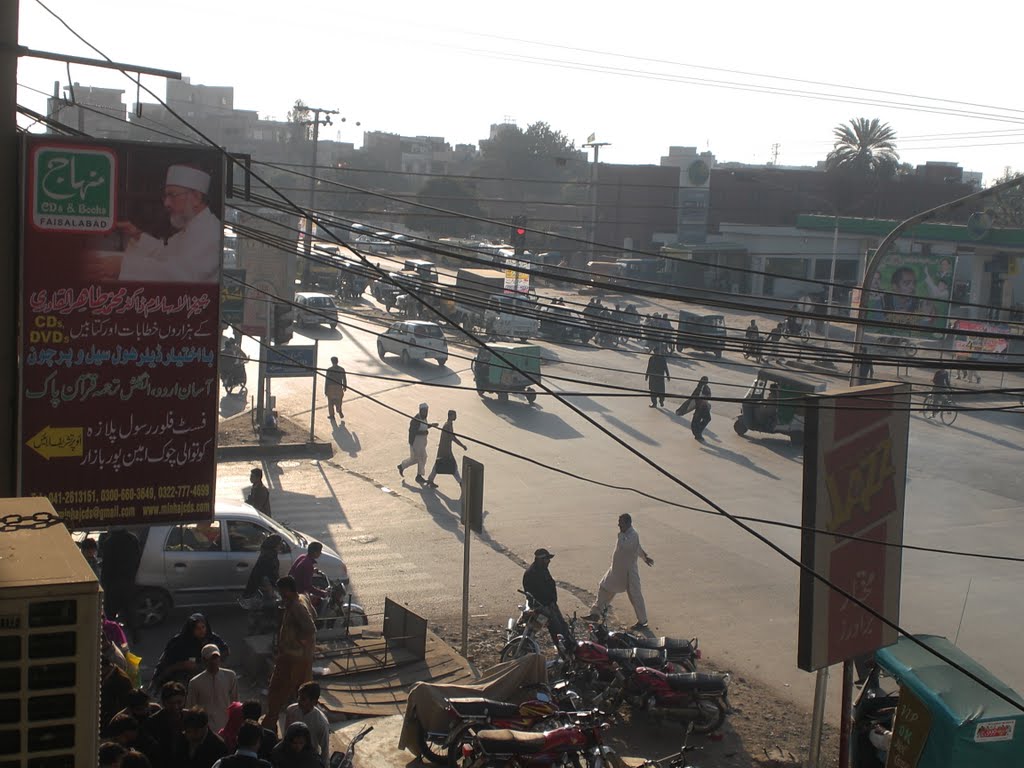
(344, 759)
(941, 405)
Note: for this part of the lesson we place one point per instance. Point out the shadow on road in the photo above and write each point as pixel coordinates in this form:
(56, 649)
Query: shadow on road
(533, 418)
(737, 458)
(231, 405)
(318, 332)
(346, 440)
(425, 370)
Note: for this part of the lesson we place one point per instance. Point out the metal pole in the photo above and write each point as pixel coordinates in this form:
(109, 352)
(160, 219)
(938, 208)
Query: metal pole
(593, 204)
(817, 718)
(268, 411)
(831, 279)
(883, 250)
(467, 534)
(312, 406)
(312, 190)
(845, 715)
(9, 389)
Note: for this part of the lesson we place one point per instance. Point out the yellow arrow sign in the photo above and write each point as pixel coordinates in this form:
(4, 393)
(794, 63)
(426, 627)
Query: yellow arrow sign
(53, 442)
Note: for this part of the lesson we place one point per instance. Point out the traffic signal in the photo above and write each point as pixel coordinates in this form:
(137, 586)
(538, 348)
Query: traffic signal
(518, 234)
(282, 325)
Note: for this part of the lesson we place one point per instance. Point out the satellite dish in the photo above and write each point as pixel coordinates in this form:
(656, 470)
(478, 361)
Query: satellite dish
(979, 224)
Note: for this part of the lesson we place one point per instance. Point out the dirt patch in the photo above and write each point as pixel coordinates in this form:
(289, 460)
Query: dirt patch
(762, 731)
(238, 430)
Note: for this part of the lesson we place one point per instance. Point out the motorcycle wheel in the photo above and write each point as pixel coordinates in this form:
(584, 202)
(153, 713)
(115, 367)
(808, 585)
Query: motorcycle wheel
(456, 738)
(518, 647)
(713, 716)
(740, 426)
(435, 753)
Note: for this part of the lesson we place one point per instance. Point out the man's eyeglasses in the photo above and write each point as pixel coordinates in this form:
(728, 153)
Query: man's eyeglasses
(173, 195)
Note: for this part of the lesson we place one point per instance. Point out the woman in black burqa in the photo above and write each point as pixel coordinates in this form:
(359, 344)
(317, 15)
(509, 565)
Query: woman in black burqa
(182, 656)
(657, 374)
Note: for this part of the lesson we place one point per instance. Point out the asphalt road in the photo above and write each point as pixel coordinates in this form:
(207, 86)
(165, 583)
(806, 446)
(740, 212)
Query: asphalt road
(710, 579)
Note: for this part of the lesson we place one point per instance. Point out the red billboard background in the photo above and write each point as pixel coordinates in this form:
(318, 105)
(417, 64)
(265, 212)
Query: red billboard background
(119, 396)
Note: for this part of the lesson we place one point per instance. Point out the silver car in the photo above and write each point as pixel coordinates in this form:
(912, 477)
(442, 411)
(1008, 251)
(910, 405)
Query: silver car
(204, 564)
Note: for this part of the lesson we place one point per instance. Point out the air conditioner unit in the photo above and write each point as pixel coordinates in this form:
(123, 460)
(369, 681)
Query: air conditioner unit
(49, 642)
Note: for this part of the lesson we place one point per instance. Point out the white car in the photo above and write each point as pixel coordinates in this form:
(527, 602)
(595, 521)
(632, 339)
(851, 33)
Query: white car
(414, 340)
(195, 565)
(314, 309)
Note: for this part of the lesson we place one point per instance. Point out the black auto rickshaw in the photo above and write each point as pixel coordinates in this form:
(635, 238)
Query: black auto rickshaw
(701, 332)
(773, 404)
(916, 709)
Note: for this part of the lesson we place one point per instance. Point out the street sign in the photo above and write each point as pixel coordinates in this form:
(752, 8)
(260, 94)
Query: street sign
(119, 394)
(291, 362)
(473, 494)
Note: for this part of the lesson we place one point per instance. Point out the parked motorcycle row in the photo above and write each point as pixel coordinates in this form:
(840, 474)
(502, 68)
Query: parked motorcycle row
(594, 675)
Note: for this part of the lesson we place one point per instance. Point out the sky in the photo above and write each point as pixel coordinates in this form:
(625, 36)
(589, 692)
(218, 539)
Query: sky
(642, 76)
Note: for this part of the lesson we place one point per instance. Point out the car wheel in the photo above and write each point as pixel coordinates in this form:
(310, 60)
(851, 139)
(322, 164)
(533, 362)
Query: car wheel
(333, 326)
(151, 607)
(405, 357)
(441, 362)
(740, 426)
(380, 349)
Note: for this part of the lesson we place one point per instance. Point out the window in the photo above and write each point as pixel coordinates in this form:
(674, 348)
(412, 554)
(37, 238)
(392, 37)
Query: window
(244, 536)
(195, 537)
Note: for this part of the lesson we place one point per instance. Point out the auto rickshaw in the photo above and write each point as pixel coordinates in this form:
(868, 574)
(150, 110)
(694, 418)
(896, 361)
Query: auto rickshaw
(772, 404)
(931, 715)
(701, 332)
(492, 374)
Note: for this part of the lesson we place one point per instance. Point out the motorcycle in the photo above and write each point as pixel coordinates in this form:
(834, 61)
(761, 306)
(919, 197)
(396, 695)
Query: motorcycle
(467, 716)
(233, 375)
(700, 699)
(346, 759)
(589, 668)
(521, 633)
(579, 744)
(683, 653)
(336, 607)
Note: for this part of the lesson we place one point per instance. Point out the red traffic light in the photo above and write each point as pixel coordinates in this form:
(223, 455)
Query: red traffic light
(520, 231)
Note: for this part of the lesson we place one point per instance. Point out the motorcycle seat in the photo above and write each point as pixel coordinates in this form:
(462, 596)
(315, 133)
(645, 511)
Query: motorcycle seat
(479, 707)
(511, 742)
(703, 682)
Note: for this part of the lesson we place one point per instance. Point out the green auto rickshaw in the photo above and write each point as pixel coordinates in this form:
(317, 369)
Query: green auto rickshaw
(701, 332)
(491, 373)
(931, 715)
(773, 404)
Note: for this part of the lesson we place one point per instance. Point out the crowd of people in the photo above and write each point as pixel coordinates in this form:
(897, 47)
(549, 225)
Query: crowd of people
(200, 720)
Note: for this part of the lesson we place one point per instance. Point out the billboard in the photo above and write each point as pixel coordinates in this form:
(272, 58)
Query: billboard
(974, 347)
(910, 293)
(119, 333)
(855, 470)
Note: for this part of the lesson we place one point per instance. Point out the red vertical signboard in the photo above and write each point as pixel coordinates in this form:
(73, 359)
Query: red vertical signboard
(119, 337)
(855, 469)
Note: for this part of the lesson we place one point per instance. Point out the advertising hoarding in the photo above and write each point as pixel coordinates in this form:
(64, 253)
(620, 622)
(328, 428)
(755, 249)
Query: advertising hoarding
(855, 469)
(269, 268)
(119, 339)
(911, 291)
(974, 347)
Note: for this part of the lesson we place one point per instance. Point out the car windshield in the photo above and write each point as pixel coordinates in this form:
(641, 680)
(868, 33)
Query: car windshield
(320, 301)
(428, 331)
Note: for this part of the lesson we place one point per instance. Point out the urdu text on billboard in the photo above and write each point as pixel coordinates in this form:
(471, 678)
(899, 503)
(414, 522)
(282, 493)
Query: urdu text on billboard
(119, 336)
(855, 470)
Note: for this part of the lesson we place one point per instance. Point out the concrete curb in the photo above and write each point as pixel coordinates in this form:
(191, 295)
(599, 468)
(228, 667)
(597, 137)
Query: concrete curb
(314, 450)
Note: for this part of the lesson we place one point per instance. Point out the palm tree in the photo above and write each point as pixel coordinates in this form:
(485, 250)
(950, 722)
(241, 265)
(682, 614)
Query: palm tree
(865, 146)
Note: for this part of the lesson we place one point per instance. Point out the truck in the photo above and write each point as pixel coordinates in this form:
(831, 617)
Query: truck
(481, 303)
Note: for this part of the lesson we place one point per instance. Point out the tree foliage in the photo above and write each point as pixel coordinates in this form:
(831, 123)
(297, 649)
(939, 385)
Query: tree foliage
(865, 147)
(453, 195)
(1008, 206)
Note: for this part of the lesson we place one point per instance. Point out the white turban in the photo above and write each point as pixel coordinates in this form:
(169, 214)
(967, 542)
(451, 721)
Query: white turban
(188, 177)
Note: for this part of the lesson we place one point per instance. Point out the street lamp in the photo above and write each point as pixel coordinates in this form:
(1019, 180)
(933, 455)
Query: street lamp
(596, 146)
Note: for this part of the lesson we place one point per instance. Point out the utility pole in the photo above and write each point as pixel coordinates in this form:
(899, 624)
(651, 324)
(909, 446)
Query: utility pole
(316, 122)
(775, 152)
(596, 146)
(8, 245)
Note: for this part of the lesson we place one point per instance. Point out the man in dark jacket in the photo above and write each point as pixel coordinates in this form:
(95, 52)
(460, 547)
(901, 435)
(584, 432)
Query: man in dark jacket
(701, 409)
(538, 581)
(657, 374)
(259, 496)
(198, 746)
(246, 755)
(418, 429)
(121, 554)
(335, 386)
(164, 727)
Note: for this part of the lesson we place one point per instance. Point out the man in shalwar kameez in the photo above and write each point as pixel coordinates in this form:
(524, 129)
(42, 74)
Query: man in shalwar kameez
(624, 574)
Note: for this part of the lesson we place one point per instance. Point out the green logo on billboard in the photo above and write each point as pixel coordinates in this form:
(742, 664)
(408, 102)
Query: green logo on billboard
(73, 189)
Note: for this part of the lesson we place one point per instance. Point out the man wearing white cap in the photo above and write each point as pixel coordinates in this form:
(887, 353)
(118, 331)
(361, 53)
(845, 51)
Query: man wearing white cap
(192, 253)
(418, 429)
(213, 689)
